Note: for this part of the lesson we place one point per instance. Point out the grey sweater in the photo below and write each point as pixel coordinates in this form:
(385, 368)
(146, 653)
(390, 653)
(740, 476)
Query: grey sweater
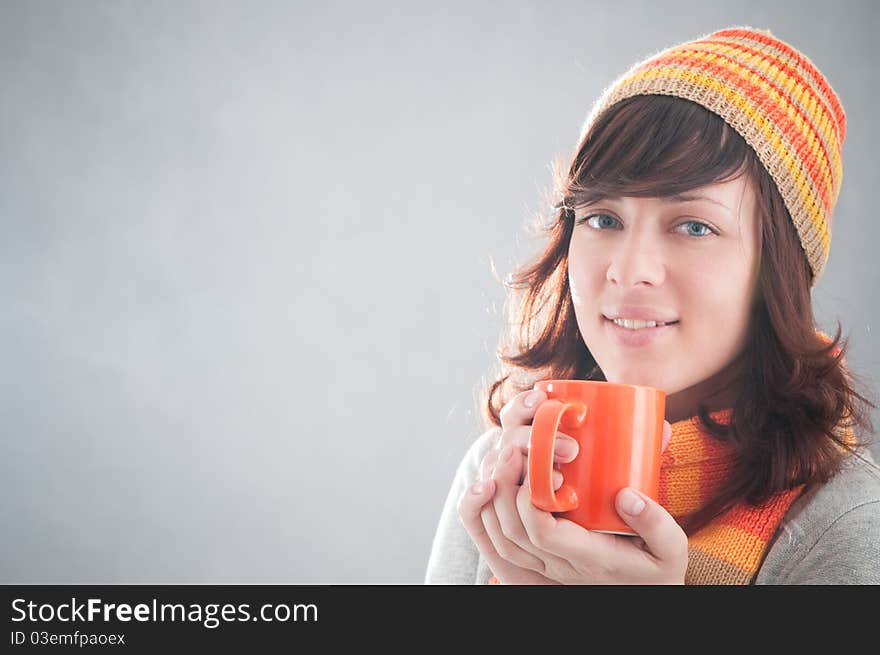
(830, 535)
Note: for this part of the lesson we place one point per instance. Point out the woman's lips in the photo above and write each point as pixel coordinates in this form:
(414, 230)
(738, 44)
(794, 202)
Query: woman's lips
(636, 338)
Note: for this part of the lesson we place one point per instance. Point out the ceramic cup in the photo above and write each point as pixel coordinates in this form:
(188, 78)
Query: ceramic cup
(619, 430)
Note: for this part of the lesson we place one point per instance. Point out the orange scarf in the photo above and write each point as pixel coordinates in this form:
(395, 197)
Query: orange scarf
(729, 549)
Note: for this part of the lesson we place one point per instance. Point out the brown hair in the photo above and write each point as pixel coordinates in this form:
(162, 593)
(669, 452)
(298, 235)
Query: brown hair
(786, 422)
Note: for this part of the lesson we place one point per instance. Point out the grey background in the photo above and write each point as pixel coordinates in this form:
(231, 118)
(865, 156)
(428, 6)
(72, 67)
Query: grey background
(247, 261)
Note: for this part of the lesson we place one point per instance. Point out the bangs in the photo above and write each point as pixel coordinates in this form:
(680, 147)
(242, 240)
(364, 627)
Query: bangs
(655, 146)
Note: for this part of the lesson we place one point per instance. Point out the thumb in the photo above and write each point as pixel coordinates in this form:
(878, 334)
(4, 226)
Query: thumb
(667, 434)
(661, 533)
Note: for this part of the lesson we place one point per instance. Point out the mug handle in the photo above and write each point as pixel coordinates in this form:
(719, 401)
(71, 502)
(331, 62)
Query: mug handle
(541, 446)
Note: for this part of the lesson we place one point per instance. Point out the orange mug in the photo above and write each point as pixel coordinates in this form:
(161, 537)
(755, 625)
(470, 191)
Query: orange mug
(619, 430)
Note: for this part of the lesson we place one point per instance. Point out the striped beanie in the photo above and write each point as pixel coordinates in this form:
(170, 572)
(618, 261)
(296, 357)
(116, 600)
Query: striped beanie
(774, 97)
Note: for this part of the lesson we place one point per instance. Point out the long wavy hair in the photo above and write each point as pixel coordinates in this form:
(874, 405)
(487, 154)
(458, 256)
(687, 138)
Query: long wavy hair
(800, 413)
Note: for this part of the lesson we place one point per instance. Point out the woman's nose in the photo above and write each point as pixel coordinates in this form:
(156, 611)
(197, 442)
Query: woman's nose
(636, 261)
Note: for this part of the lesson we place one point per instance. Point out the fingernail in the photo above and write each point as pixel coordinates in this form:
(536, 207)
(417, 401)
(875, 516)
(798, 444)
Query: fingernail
(532, 398)
(631, 503)
(477, 488)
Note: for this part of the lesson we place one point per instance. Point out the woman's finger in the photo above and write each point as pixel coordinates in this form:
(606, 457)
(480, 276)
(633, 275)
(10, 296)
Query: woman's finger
(470, 506)
(479, 520)
(565, 450)
(663, 537)
(488, 464)
(499, 516)
(503, 547)
(507, 477)
(520, 410)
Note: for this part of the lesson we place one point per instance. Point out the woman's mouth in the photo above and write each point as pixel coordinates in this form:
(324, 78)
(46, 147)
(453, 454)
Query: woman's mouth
(638, 333)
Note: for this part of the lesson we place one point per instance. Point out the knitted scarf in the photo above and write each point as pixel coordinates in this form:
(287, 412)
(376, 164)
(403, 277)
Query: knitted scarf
(732, 546)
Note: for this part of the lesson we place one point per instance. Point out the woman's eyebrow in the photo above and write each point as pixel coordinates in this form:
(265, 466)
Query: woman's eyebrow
(688, 197)
(678, 197)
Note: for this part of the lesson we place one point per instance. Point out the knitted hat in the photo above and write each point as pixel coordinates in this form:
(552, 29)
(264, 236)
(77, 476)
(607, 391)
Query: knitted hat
(774, 97)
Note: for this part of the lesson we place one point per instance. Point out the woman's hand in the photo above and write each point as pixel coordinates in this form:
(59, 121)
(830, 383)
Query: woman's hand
(506, 564)
(521, 539)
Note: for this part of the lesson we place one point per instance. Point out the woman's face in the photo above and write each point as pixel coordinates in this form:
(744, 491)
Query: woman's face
(691, 260)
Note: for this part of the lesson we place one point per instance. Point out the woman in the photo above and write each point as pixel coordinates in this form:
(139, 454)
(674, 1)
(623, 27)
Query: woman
(701, 195)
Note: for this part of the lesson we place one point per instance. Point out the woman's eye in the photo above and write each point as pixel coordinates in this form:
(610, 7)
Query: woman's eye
(592, 222)
(708, 231)
(602, 221)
